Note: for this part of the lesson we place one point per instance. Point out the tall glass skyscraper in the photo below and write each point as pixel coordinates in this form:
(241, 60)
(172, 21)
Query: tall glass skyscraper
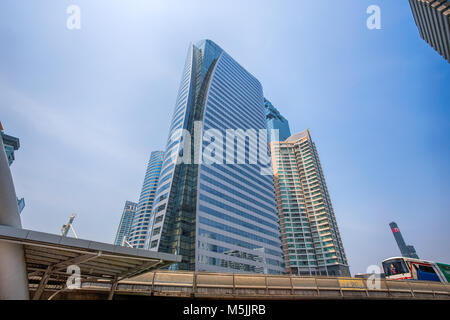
(141, 222)
(311, 240)
(275, 121)
(219, 217)
(123, 231)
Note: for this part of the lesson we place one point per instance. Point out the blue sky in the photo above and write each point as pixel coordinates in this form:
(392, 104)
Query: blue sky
(90, 105)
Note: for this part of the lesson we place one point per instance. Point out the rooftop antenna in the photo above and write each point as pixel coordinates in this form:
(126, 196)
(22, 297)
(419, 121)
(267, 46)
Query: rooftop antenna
(65, 228)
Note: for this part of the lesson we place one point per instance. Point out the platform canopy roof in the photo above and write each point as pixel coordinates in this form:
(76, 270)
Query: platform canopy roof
(49, 255)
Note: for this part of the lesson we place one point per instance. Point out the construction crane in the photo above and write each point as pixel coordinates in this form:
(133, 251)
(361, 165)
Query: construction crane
(65, 228)
(124, 241)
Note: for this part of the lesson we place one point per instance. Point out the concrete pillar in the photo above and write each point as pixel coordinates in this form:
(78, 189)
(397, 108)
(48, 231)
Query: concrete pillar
(13, 273)
(113, 288)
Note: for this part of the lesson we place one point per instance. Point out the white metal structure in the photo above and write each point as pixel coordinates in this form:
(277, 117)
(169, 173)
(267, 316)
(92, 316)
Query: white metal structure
(65, 228)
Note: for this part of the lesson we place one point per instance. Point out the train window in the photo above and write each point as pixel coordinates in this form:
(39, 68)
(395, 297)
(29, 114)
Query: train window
(426, 269)
(426, 273)
(393, 267)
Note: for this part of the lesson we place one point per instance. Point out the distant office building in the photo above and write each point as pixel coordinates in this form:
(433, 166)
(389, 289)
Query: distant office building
(123, 231)
(218, 217)
(406, 250)
(432, 18)
(310, 236)
(11, 144)
(275, 120)
(141, 224)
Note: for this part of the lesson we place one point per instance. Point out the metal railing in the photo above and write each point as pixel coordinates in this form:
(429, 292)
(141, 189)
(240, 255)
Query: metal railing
(251, 286)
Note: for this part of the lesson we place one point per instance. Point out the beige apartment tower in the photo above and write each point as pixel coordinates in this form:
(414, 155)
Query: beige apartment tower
(310, 236)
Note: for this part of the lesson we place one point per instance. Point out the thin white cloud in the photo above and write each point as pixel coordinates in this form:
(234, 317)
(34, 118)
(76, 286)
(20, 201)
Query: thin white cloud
(75, 130)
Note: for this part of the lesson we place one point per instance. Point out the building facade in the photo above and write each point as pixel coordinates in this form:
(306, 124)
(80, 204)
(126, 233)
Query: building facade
(218, 216)
(123, 231)
(407, 251)
(432, 18)
(275, 121)
(141, 223)
(310, 236)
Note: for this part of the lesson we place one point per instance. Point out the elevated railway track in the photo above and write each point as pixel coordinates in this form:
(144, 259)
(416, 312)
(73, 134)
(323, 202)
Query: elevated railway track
(202, 285)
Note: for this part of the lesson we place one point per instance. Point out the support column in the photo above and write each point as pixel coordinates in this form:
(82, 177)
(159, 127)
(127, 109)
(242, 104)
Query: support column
(42, 284)
(113, 288)
(13, 273)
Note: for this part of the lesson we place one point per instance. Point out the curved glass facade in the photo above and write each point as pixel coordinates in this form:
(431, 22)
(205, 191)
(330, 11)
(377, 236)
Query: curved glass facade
(218, 216)
(141, 222)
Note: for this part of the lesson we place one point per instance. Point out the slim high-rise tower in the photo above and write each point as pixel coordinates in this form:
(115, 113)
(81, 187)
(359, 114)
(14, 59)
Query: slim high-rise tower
(219, 215)
(142, 220)
(123, 231)
(311, 240)
(406, 250)
(432, 18)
